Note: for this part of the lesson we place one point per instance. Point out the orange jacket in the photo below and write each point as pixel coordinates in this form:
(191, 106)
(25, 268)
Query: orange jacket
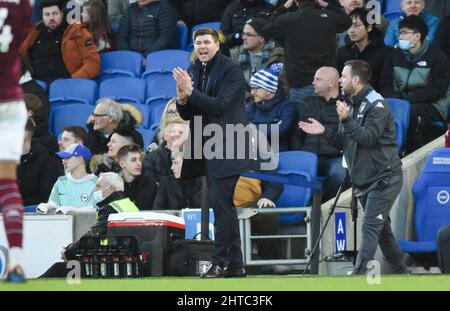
(78, 49)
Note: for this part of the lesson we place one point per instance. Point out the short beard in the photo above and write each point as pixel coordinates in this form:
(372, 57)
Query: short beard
(350, 91)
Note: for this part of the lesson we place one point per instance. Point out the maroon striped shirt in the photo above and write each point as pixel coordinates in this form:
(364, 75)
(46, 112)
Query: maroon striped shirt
(14, 22)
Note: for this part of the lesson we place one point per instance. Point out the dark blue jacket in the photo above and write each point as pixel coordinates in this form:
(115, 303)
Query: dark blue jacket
(148, 29)
(274, 111)
(222, 104)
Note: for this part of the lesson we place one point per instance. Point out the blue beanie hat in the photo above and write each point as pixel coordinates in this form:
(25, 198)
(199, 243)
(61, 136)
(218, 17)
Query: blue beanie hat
(267, 79)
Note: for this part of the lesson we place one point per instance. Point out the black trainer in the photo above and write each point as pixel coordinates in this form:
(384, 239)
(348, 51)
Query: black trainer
(235, 272)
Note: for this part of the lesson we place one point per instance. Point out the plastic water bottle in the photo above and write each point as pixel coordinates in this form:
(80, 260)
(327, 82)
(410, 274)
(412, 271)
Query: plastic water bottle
(115, 266)
(128, 263)
(87, 262)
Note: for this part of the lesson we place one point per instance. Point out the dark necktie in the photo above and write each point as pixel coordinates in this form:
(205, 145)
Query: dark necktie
(203, 78)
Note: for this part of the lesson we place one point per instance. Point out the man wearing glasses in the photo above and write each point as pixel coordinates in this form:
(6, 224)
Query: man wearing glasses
(108, 116)
(419, 74)
(255, 52)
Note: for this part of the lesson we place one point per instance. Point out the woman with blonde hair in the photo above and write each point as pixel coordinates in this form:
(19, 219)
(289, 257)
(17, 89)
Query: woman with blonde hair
(158, 162)
(170, 114)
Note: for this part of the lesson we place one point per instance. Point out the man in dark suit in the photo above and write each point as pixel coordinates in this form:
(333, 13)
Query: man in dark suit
(212, 94)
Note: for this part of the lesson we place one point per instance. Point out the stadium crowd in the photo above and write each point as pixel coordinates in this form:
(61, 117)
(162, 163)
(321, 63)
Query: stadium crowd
(291, 53)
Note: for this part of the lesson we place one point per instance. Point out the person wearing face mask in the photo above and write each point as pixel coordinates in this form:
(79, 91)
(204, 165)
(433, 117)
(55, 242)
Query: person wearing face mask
(38, 170)
(420, 74)
(75, 189)
(411, 8)
(110, 199)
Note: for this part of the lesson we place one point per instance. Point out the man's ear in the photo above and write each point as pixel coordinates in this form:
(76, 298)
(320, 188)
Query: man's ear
(110, 119)
(419, 36)
(113, 189)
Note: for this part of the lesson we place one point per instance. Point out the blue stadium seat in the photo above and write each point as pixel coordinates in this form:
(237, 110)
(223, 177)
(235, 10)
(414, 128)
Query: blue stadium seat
(30, 208)
(182, 37)
(164, 61)
(161, 86)
(156, 111)
(299, 163)
(120, 64)
(213, 25)
(148, 134)
(115, 27)
(158, 100)
(441, 125)
(400, 110)
(69, 115)
(390, 16)
(392, 6)
(124, 90)
(431, 192)
(72, 91)
(42, 84)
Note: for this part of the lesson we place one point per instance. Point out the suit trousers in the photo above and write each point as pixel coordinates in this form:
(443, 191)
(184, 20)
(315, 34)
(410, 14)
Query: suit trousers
(227, 246)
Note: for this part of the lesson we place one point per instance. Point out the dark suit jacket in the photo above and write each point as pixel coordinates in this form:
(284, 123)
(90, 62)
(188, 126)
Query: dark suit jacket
(221, 104)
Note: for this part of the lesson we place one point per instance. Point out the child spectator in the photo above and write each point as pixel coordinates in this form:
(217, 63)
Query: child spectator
(76, 188)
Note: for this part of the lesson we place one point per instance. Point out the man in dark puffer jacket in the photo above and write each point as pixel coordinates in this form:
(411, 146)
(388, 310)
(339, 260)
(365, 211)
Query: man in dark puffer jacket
(147, 26)
(420, 74)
